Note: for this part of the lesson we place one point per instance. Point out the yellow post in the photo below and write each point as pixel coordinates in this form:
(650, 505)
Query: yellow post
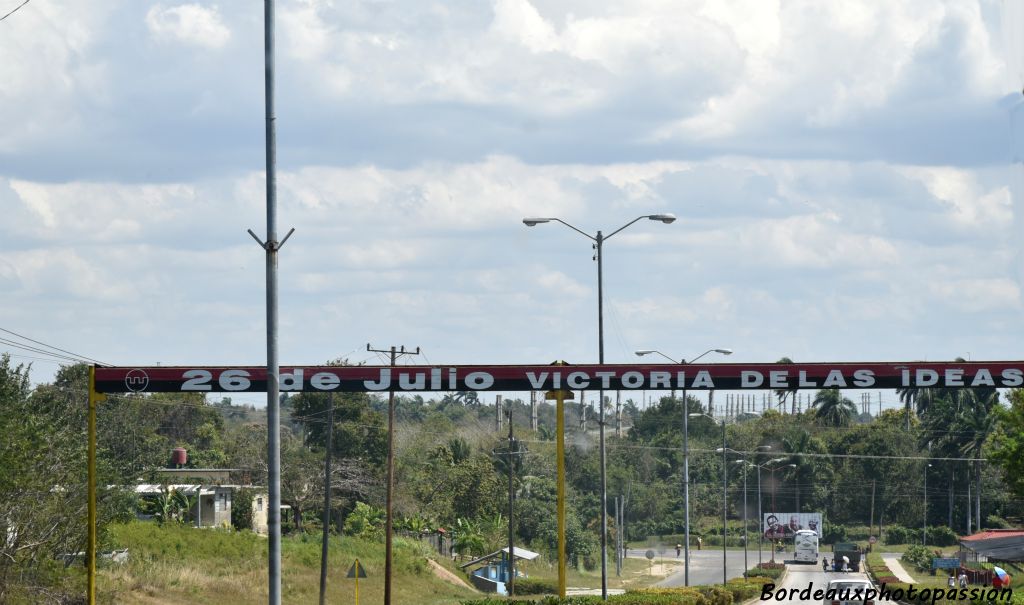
(560, 396)
(90, 553)
(560, 454)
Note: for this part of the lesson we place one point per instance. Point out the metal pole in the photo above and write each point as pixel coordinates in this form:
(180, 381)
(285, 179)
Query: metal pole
(771, 546)
(604, 476)
(273, 369)
(746, 566)
(924, 518)
(560, 463)
(511, 544)
(725, 484)
(760, 519)
(327, 498)
(389, 513)
(90, 555)
(618, 527)
(686, 490)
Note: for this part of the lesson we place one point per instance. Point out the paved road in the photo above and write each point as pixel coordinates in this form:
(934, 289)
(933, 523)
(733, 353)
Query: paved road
(705, 565)
(800, 577)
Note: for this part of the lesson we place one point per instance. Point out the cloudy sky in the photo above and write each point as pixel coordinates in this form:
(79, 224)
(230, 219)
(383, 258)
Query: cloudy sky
(845, 175)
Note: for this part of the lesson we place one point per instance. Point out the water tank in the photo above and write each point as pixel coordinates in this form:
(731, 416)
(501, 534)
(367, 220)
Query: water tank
(179, 457)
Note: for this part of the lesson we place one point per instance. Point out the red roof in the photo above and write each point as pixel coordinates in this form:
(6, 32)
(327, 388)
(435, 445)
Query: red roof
(994, 533)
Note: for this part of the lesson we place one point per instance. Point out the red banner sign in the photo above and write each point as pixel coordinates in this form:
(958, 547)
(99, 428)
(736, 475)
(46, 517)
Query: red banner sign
(729, 376)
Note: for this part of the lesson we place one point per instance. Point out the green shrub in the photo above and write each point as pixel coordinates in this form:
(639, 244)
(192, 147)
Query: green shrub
(941, 535)
(241, 508)
(835, 533)
(918, 556)
(897, 534)
(766, 570)
(530, 586)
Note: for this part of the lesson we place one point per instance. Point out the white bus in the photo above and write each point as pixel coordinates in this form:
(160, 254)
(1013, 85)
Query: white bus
(805, 546)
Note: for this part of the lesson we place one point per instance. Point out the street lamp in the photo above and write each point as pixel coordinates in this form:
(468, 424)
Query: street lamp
(598, 240)
(774, 511)
(686, 453)
(760, 516)
(725, 487)
(747, 465)
(924, 521)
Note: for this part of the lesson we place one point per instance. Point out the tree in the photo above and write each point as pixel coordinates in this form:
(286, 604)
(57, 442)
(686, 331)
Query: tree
(1008, 443)
(832, 408)
(782, 394)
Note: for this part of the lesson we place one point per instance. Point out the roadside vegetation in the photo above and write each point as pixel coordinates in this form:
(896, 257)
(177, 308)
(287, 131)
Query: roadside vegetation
(864, 472)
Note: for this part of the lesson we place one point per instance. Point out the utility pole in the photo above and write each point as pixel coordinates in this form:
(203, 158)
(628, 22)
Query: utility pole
(871, 520)
(327, 497)
(389, 520)
(497, 413)
(272, 246)
(618, 414)
(513, 450)
(511, 499)
(533, 411)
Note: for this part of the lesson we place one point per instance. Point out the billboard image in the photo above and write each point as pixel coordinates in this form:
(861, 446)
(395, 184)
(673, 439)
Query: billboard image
(777, 526)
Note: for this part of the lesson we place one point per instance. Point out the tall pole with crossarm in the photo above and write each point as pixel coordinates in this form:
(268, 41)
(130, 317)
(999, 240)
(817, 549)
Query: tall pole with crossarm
(599, 247)
(686, 455)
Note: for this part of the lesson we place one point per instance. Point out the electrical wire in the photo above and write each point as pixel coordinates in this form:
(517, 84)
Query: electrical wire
(76, 355)
(15, 9)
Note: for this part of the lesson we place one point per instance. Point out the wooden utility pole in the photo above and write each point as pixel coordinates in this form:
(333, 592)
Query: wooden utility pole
(533, 411)
(871, 519)
(389, 519)
(497, 413)
(327, 497)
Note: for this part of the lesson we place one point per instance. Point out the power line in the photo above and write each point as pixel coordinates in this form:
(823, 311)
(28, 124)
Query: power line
(83, 357)
(15, 9)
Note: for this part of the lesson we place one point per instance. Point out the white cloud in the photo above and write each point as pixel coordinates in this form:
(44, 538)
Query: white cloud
(190, 24)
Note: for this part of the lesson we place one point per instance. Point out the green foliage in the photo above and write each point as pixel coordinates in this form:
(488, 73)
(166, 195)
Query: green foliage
(918, 556)
(767, 570)
(941, 535)
(835, 533)
(366, 522)
(171, 505)
(241, 508)
(897, 534)
(527, 586)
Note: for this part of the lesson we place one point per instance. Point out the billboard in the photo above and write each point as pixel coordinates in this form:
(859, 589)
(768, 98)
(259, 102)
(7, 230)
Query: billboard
(664, 377)
(779, 526)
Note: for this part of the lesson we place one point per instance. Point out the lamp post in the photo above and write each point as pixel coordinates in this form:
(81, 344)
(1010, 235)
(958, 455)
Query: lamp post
(760, 516)
(598, 240)
(924, 520)
(772, 470)
(686, 454)
(725, 487)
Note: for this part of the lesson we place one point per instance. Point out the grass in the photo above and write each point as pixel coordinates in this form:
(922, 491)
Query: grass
(179, 564)
(176, 564)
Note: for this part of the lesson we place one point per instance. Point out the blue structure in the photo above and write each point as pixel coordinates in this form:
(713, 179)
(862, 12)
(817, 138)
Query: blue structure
(492, 575)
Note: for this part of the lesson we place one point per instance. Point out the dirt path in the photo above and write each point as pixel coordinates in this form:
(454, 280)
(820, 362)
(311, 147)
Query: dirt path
(447, 575)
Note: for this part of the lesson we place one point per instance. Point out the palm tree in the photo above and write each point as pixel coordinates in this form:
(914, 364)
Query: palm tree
(781, 394)
(832, 408)
(799, 444)
(977, 420)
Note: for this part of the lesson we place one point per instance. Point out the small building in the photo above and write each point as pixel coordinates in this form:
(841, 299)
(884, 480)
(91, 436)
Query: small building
(993, 545)
(491, 575)
(212, 505)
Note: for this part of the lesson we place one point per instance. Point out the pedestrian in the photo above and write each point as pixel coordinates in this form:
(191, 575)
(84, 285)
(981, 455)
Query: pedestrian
(952, 581)
(824, 564)
(700, 543)
(963, 579)
(679, 549)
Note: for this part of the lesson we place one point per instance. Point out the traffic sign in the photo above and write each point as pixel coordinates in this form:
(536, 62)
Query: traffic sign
(356, 571)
